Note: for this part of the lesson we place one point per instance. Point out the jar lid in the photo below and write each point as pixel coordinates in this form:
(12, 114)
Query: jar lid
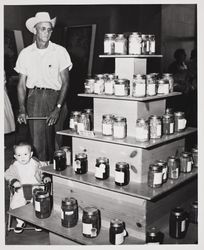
(167, 116)
(195, 149)
(116, 223)
(141, 121)
(152, 232)
(169, 111)
(120, 119)
(167, 74)
(179, 113)
(195, 204)
(161, 163)
(108, 116)
(178, 211)
(161, 81)
(59, 152)
(69, 201)
(102, 160)
(81, 155)
(122, 165)
(88, 110)
(42, 194)
(186, 154)
(155, 167)
(65, 148)
(110, 34)
(76, 113)
(154, 117)
(91, 210)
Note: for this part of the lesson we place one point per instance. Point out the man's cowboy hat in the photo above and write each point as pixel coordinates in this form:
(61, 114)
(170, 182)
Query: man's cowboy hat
(39, 17)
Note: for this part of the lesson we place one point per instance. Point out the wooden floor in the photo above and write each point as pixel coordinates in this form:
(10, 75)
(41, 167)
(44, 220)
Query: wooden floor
(28, 237)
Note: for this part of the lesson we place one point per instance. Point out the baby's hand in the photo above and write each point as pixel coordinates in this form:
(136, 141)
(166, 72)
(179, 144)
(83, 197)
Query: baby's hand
(16, 184)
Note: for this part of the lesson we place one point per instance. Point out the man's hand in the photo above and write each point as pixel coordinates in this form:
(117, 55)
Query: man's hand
(53, 117)
(22, 118)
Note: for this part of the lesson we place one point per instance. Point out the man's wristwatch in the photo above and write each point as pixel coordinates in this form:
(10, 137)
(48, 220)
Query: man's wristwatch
(59, 106)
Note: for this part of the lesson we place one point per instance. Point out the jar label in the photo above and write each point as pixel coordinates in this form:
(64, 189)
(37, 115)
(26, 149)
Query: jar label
(120, 47)
(152, 46)
(175, 173)
(71, 123)
(134, 46)
(109, 87)
(87, 228)
(157, 178)
(119, 177)
(99, 173)
(97, 88)
(107, 129)
(181, 123)
(189, 166)
(159, 130)
(119, 238)
(62, 214)
(37, 206)
(119, 89)
(69, 212)
(141, 133)
(140, 89)
(54, 164)
(151, 89)
(68, 158)
(171, 128)
(183, 226)
(164, 172)
(77, 165)
(118, 131)
(108, 47)
(166, 89)
(80, 127)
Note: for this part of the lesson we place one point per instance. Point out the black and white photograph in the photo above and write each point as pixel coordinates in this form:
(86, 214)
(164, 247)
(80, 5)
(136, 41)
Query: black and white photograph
(101, 142)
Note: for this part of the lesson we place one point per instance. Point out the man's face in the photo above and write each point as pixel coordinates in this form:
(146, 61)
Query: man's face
(43, 31)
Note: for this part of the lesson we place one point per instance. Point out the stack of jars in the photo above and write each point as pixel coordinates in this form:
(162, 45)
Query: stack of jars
(162, 170)
(133, 44)
(81, 121)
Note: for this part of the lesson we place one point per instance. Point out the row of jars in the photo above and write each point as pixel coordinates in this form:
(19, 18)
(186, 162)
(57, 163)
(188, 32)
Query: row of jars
(162, 170)
(179, 220)
(133, 44)
(142, 85)
(81, 120)
(153, 128)
(91, 221)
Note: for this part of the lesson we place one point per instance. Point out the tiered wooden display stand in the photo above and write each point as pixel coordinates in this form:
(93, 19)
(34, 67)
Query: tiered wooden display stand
(137, 204)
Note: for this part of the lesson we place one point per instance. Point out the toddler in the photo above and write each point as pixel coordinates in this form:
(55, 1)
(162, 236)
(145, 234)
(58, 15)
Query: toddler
(24, 170)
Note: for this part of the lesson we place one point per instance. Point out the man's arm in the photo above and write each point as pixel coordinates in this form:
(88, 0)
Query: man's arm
(64, 74)
(21, 92)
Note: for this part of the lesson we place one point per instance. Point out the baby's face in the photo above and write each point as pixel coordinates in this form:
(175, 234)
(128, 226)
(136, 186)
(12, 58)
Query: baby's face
(23, 154)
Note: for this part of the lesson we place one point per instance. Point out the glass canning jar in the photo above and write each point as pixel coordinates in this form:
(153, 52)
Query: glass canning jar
(89, 86)
(109, 84)
(102, 168)
(81, 163)
(89, 113)
(69, 212)
(74, 119)
(107, 124)
(99, 84)
(122, 87)
(120, 44)
(168, 124)
(122, 173)
(164, 169)
(142, 130)
(186, 162)
(180, 121)
(155, 176)
(59, 160)
(109, 43)
(168, 78)
(162, 87)
(139, 86)
(117, 232)
(150, 85)
(119, 127)
(155, 124)
(134, 43)
(173, 167)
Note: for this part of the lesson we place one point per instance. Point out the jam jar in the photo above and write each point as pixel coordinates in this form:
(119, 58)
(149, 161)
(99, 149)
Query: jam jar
(99, 84)
(74, 119)
(102, 168)
(173, 167)
(109, 43)
(91, 222)
(139, 86)
(168, 78)
(122, 87)
(163, 87)
(195, 156)
(83, 123)
(151, 89)
(155, 176)
(134, 43)
(117, 232)
(69, 212)
(178, 223)
(59, 160)
(42, 203)
(120, 44)
(89, 113)
(186, 162)
(155, 127)
(142, 130)
(180, 121)
(119, 127)
(89, 86)
(81, 163)
(122, 173)
(154, 236)
(109, 84)
(107, 124)
(193, 214)
(67, 151)
(168, 124)
(164, 169)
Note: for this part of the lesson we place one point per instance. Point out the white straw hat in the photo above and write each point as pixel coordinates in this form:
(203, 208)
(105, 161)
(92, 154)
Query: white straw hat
(39, 17)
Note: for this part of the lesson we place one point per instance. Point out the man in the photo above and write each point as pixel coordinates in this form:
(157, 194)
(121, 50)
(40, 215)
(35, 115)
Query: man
(43, 69)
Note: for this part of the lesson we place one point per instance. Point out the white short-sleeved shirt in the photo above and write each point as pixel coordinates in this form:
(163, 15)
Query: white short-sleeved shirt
(42, 66)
